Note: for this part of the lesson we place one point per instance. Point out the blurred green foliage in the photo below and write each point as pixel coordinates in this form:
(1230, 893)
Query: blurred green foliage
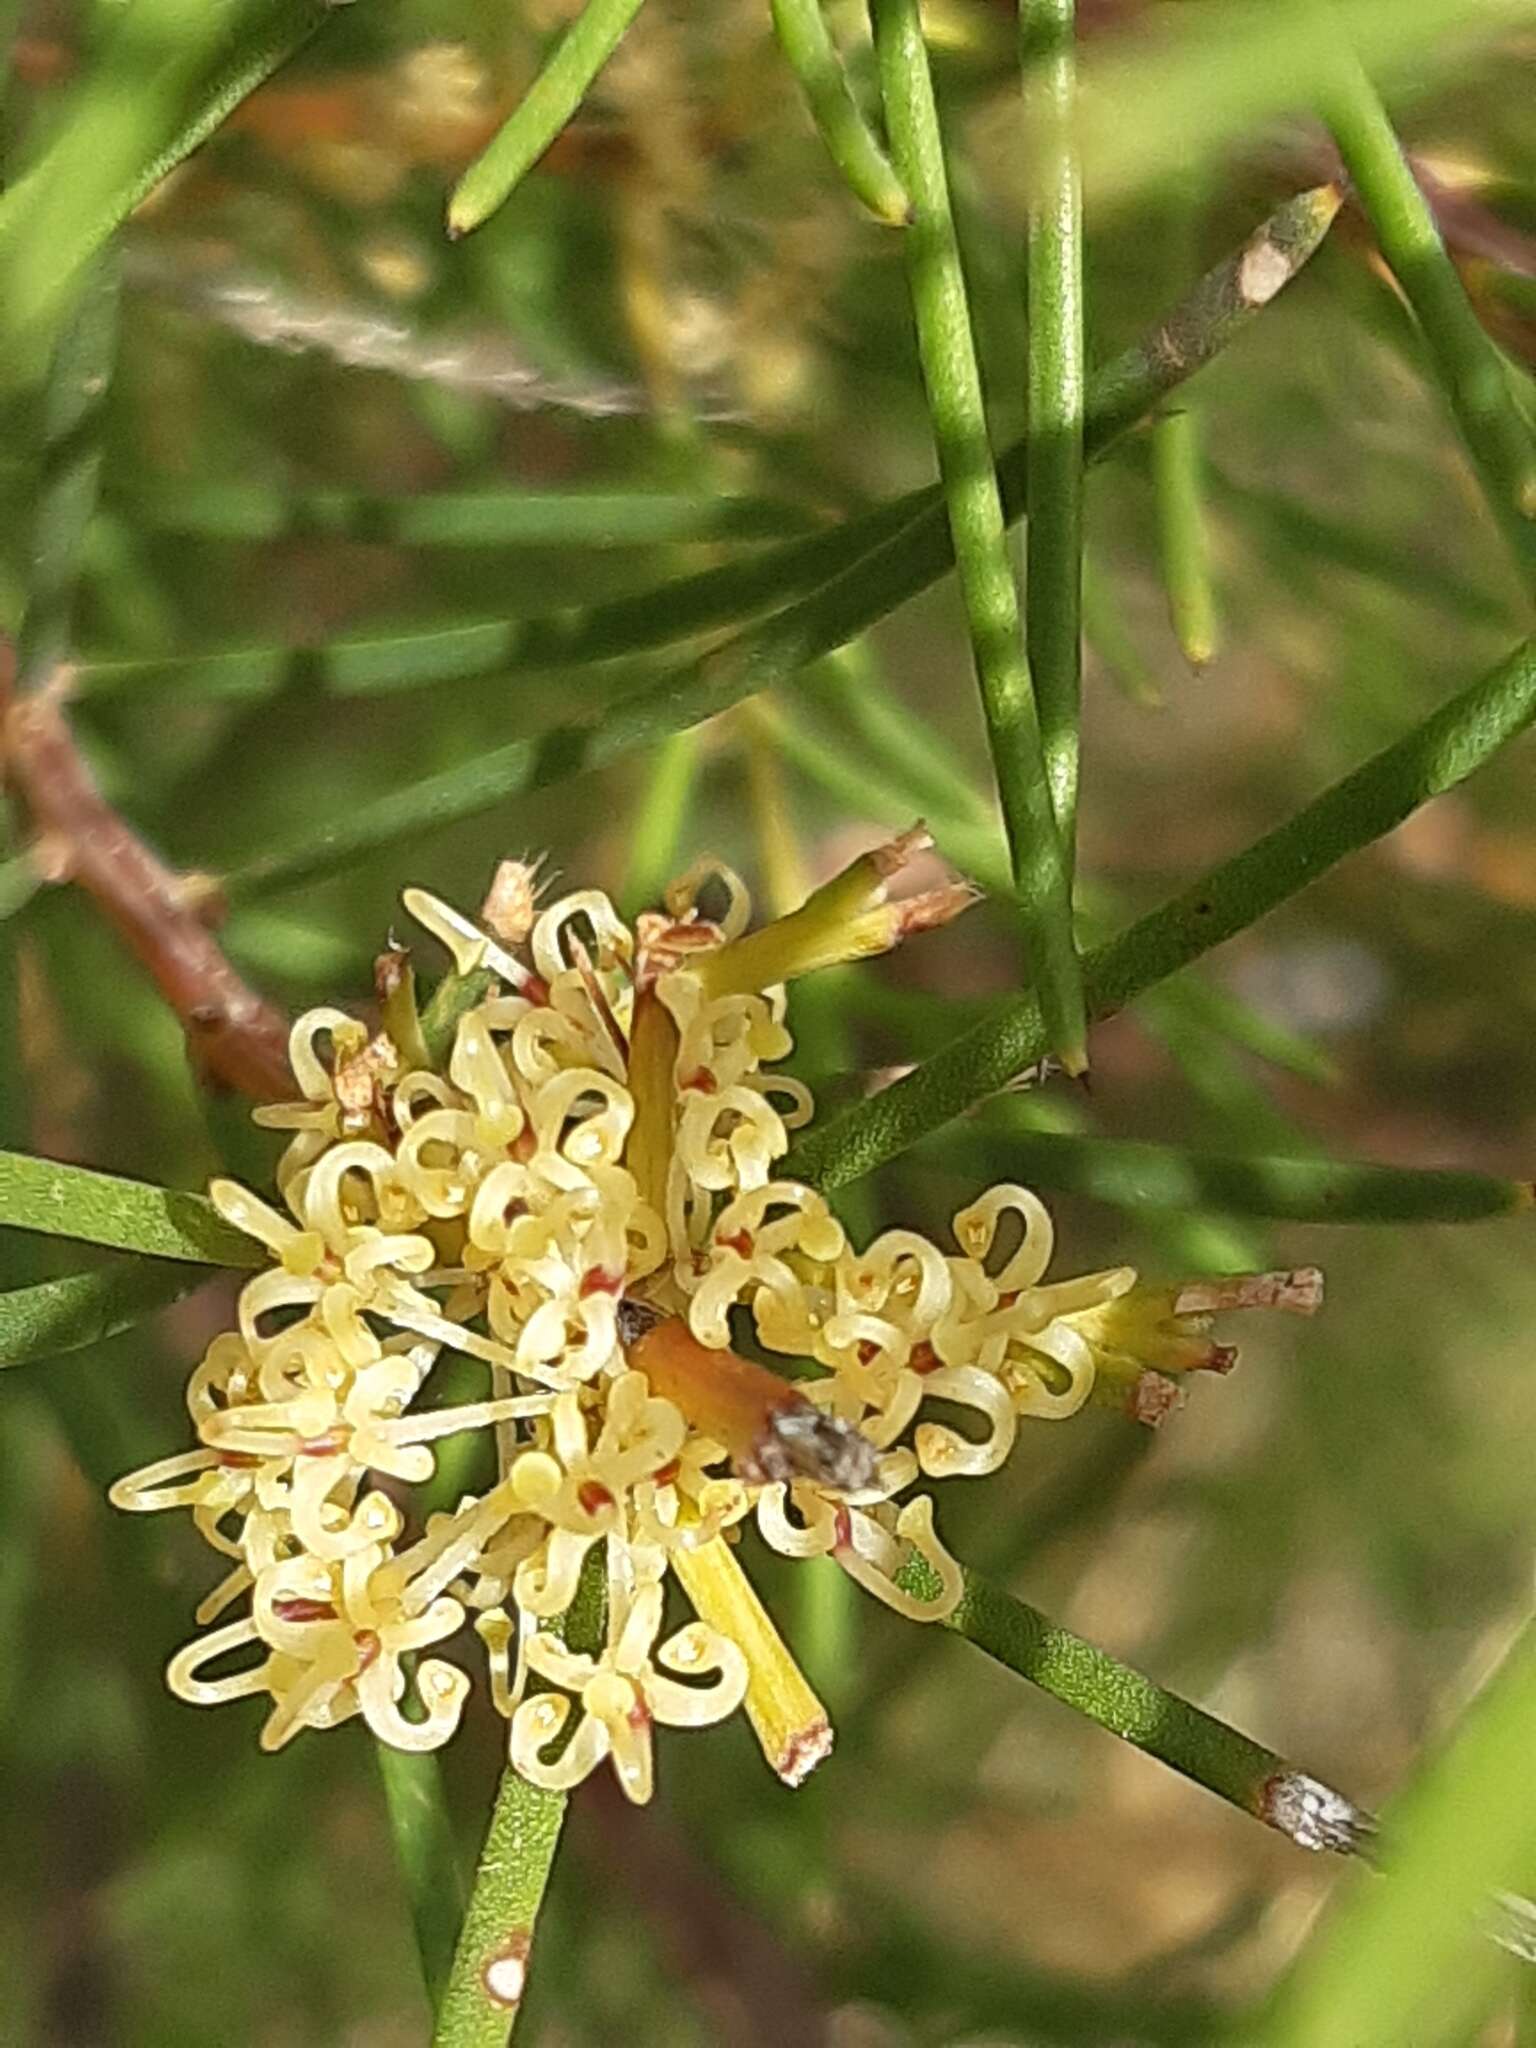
(676, 344)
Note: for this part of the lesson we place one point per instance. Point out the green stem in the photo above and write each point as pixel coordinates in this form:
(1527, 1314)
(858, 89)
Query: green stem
(74, 401)
(911, 555)
(1466, 362)
(1181, 536)
(1107, 634)
(947, 348)
(55, 1316)
(166, 74)
(1054, 400)
(217, 511)
(428, 1858)
(127, 1215)
(734, 593)
(542, 112)
(1379, 795)
(1248, 1776)
(1137, 1175)
(682, 608)
(485, 1983)
(490, 1963)
(811, 54)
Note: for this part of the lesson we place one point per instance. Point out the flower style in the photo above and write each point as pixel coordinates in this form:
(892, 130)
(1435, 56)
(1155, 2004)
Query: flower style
(565, 1170)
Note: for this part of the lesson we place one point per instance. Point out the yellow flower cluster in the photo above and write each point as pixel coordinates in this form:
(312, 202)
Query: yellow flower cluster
(581, 1197)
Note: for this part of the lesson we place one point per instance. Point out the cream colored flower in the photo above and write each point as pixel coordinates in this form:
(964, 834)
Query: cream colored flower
(580, 1195)
(622, 1694)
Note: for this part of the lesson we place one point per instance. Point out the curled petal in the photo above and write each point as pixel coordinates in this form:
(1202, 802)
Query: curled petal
(436, 1161)
(441, 1688)
(549, 1657)
(331, 1528)
(329, 1203)
(812, 1537)
(181, 1674)
(503, 1195)
(309, 1070)
(540, 1038)
(721, 1288)
(632, 1647)
(976, 1230)
(495, 1630)
(229, 1588)
(894, 1473)
(902, 1402)
(697, 1651)
(399, 1251)
(270, 1429)
(547, 942)
(1031, 1394)
(292, 1603)
(476, 1067)
(629, 1744)
(802, 1104)
(299, 1250)
(944, 1453)
(682, 895)
(537, 1723)
(153, 1486)
(728, 1140)
(565, 1121)
(266, 1294)
(417, 1087)
(870, 1556)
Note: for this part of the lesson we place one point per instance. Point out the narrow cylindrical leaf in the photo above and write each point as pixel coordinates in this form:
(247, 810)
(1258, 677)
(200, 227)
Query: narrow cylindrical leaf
(1137, 1175)
(864, 573)
(946, 346)
(658, 828)
(128, 1215)
(164, 75)
(1200, 1747)
(542, 112)
(912, 548)
(807, 44)
(1110, 638)
(458, 519)
(424, 1848)
(69, 470)
(1434, 757)
(1466, 363)
(1182, 545)
(62, 1315)
(1054, 399)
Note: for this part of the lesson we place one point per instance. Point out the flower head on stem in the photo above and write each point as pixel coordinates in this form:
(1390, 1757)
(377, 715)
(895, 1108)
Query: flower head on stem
(579, 1192)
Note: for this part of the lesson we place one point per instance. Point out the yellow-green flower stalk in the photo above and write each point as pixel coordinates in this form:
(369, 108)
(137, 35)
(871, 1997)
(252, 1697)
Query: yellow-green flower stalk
(565, 1169)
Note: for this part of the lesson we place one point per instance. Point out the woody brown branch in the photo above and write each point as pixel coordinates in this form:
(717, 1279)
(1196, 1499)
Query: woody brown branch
(235, 1038)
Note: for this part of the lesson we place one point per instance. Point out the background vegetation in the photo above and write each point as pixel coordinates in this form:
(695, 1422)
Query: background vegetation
(340, 458)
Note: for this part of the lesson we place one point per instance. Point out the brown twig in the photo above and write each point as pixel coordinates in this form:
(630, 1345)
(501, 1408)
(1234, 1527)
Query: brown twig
(235, 1038)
